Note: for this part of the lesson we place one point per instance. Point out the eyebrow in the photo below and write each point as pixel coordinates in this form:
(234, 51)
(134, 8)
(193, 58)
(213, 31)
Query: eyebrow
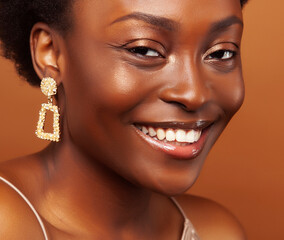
(224, 24)
(157, 21)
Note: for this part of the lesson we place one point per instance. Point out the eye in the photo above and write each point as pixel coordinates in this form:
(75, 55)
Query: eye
(222, 55)
(144, 52)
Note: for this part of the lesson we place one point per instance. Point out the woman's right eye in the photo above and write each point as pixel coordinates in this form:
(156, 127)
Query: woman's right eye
(144, 52)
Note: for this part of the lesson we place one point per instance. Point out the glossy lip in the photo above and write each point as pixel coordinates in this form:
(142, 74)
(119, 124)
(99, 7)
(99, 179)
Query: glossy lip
(185, 152)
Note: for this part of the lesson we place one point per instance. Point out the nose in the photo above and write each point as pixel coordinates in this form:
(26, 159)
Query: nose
(186, 88)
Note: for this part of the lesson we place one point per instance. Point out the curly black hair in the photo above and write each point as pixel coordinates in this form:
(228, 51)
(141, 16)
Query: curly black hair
(17, 18)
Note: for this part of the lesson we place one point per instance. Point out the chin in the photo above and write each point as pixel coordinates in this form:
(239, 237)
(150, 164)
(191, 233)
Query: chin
(172, 186)
(173, 190)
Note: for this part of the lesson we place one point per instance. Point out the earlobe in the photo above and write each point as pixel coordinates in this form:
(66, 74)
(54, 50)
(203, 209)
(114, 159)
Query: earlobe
(44, 51)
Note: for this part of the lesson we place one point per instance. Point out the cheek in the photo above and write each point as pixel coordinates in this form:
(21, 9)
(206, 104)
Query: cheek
(100, 92)
(106, 85)
(113, 88)
(230, 94)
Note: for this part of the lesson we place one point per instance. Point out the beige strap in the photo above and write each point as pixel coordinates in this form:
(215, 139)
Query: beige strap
(29, 204)
(189, 232)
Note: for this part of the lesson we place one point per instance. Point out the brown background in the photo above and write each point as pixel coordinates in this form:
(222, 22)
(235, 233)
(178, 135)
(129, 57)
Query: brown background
(244, 172)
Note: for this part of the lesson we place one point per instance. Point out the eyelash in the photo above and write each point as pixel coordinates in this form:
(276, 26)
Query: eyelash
(145, 50)
(222, 55)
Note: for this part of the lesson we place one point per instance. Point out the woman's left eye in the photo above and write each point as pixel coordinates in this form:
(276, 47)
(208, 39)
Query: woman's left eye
(144, 52)
(222, 55)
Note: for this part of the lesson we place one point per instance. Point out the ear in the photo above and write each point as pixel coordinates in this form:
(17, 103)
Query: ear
(45, 51)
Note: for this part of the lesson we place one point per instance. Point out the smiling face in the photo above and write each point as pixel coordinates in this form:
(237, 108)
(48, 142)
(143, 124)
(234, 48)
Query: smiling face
(150, 85)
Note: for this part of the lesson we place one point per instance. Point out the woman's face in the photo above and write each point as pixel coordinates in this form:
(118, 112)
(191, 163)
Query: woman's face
(134, 66)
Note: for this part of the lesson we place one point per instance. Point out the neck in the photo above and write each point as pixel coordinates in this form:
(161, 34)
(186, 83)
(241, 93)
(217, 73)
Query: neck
(94, 198)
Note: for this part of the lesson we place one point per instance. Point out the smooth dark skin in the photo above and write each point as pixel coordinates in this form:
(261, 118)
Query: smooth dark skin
(102, 181)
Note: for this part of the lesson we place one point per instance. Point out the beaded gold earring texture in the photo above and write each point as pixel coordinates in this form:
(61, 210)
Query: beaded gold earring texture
(48, 88)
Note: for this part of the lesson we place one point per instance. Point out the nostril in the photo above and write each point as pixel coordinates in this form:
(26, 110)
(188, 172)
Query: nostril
(178, 104)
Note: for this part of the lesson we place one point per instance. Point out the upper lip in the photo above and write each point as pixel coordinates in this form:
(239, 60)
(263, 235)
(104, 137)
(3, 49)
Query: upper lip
(199, 124)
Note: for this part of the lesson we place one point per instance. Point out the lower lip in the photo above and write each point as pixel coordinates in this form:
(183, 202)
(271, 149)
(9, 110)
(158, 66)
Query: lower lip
(186, 152)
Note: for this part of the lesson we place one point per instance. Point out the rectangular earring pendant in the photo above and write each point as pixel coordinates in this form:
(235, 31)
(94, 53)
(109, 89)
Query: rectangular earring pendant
(40, 126)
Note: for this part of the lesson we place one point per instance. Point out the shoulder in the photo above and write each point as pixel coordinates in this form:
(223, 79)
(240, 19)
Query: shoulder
(211, 220)
(16, 217)
(25, 172)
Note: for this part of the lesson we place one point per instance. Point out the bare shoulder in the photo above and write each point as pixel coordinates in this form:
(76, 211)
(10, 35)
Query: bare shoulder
(17, 220)
(211, 220)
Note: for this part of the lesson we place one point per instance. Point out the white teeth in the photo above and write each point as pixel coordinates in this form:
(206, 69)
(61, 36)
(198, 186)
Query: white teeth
(161, 134)
(152, 132)
(144, 130)
(197, 135)
(180, 135)
(190, 136)
(170, 135)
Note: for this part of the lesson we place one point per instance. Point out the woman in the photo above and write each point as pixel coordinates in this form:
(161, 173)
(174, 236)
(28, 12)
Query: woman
(144, 90)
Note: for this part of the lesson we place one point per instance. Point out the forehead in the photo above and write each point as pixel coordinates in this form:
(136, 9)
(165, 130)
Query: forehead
(103, 12)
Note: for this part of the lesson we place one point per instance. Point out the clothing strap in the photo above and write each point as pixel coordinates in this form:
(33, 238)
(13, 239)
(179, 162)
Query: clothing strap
(29, 204)
(189, 233)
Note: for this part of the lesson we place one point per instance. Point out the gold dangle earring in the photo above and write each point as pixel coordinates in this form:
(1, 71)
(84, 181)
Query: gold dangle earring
(49, 89)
